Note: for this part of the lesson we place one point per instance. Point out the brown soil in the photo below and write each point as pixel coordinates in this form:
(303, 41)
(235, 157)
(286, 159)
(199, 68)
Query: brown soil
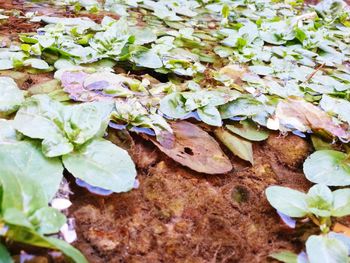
(178, 215)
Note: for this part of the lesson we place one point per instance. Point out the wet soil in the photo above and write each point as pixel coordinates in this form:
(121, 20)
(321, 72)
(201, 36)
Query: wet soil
(177, 215)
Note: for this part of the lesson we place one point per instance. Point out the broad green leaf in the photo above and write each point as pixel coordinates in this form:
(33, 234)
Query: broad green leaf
(28, 178)
(42, 118)
(336, 106)
(30, 237)
(16, 217)
(86, 121)
(147, 59)
(328, 167)
(172, 105)
(245, 106)
(342, 238)
(238, 146)
(341, 202)
(285, 256)
(39, 117)
(102, 164)
(210, 115)
(11, 97)
(5, 256)
(248, 130)
(320, 200)
(7, 131)
(324, 249)
(288, 201)
(67, 249)
(60, 126)
(36, 63)
(6, 64)
(261, 70)
(47, 220)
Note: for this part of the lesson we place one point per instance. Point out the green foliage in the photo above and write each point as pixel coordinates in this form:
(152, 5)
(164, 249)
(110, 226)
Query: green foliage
(328, 167)
(11, 97)
(102, 164)
(319, 201)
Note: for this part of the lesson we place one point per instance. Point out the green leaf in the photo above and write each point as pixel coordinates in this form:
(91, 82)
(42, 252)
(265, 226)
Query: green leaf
(288, 201)
(68, 250)
(28, 178)
(30, 237)
(60, 126)
(86, 121)
(102, 164)
(13, 216)
(320, 200)
(6, 64)
(11, 97)
(210, 115)
(341, 203)
(238, 146)
(244, 106)
(38, 117)
(285, 256)
(248, 130)
(147, 58)
(5, 256)
(324, 249)
(328, 167)
(36, 63)
(7, 131)
(172, 105)
(48, 220)
(42, 118)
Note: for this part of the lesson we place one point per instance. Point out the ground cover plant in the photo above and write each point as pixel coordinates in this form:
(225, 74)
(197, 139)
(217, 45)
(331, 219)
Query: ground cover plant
(163, 128)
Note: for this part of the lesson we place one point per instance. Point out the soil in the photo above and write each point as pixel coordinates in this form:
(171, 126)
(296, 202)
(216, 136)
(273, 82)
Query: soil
(177, 215)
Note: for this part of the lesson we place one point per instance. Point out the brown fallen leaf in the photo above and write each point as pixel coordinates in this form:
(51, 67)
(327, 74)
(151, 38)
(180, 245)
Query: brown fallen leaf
(305, 116)
(195, 149)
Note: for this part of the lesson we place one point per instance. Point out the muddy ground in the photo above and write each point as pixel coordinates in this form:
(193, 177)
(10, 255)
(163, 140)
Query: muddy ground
(177, 215)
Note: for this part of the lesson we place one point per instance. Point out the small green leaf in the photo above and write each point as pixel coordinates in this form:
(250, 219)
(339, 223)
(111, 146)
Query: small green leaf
(30, 237)
(11, 97)
(28, 178)
(248, 130)
(328, 167)
(341, 203)
(320, 200)
(288, 201)
(36, 63)
(285, 256)
(172, 105)
(325, 249)
(210, 115)
(48, 220)
(102, 164)
(5, 256)
(238, 146)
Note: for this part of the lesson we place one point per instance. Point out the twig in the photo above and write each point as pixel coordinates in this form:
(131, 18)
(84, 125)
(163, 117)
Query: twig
(313, 73)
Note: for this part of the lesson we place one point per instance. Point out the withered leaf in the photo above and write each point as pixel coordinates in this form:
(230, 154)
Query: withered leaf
(305, 116)
(196, 149)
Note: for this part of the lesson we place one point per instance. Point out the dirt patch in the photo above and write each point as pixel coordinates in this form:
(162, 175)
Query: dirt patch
(178, 215)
